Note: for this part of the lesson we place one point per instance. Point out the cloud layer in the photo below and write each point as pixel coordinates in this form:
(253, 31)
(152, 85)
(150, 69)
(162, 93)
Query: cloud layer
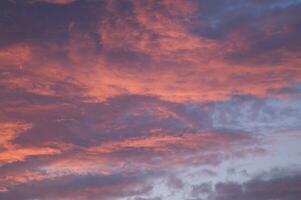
(138, 99)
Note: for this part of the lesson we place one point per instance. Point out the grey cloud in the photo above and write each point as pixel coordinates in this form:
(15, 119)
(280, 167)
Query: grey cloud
(73, 186)
(285, 187)
(257, 115)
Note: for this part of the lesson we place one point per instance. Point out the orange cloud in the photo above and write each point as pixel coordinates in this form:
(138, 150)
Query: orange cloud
(19, 154)
(11, 152)
(162, 143)
(9, 130)
(71, 74)
(155, 56)
(15, 55)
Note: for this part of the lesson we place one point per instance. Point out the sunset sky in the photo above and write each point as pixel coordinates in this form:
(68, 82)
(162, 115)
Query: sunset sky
(150, 99)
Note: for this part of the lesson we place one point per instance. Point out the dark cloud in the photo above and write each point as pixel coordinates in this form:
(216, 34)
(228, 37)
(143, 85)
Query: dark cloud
(174, 183)
(268, 26)
(76, 186)
(30, 22)
(279, 187)
(202, 190)
(293, 91)
(142, 198)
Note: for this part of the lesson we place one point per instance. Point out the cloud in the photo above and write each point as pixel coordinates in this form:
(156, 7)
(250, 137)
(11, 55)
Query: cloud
(283, 187)
(79, 187)
(59, 1)
(203, 189)
(141, 51)
(94, 94)
(11, 152)
(121, 135)
(257, 115)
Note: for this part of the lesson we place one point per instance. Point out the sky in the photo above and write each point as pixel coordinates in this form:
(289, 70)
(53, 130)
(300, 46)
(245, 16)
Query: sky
(150, 100)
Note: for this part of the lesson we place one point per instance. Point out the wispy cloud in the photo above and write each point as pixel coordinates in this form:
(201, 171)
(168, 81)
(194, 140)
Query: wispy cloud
(137, 99)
